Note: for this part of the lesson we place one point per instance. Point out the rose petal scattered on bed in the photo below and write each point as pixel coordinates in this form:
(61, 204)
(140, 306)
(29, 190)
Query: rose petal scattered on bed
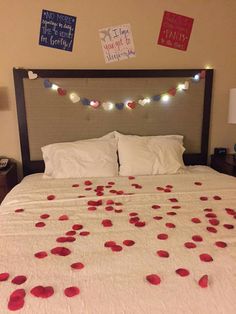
(198, 183)
(153, 279)
(196, 220)
(169, 186)
(40, 224)
(118, 211)
(77, 265)
(71, 291)
(230, 211)
(18, 280)
(162, 236)
(19, 210)
(70, 233)
(197, 238)
(159, 188)
(133, 214)
(51, 197)
(61, 251)
(210, 215)
(176, 207)
(221, 244)
(203, 198)
(156, 206)
(171, 213)
(133, 220)
(109, 243)
(84, 233)
(116, 248)
(99, 193)
(88, 189)
(173, 200)
(157, 217)
(88, 182)
(16, 301)
(183, 272)
(209, 210)
(41, 254)
(76, 185)
(203, 281)
(211, 229)
(42, 292)
(77, 227)
(131, 177)
(111, 183)
(65, 239)
(163, 253)
(205, 257)
(228, 226)
(170, 225)
(109, 202)
(63, 217)
(109, 208)
(214, 222)
(140, 224)
(4, 276)
(44, 216)
(190, 245)
(167, 190)
(92, 208)
(128, 242)
(217, 198)
(107, 223)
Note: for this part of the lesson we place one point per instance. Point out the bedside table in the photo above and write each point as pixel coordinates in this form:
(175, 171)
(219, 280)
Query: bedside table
(225, 164)
(8, 179)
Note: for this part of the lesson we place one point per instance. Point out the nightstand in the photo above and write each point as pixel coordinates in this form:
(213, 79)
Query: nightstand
(225, 164)
(8, 179)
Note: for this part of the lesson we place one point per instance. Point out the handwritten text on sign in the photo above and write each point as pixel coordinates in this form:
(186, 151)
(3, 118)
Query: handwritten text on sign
(57, 30)
(117, 43)
(175, 31)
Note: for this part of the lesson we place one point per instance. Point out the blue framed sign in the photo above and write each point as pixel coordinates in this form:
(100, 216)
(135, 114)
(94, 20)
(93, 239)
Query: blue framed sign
(57, 30)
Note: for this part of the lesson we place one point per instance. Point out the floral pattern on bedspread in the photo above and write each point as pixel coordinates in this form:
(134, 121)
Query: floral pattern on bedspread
(120, 245)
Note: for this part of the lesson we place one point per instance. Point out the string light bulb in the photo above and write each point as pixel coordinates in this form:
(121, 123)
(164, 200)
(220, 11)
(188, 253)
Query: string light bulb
(165, 97)
(196, 77)
(54, 87)
(74, 97)
(108, 105)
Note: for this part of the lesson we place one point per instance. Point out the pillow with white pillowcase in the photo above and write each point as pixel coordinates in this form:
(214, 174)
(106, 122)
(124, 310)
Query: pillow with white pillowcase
(150, 155)
(85, 158)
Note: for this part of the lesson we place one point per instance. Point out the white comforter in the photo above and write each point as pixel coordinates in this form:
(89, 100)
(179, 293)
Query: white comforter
(114, 279)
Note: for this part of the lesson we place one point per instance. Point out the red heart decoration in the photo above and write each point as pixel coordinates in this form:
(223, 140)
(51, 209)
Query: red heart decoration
(61, 91)
(131, 104)
(42, 292)
(95, 103)
(202, 74)
(172, 91)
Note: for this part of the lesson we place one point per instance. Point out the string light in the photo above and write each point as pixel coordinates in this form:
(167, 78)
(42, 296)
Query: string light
(165, 98)
(54, 87)
(196, 77)
(144, 101)
(108, 106)
(74, 97)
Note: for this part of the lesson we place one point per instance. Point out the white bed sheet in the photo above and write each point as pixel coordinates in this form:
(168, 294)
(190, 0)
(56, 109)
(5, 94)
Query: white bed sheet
(115, 281)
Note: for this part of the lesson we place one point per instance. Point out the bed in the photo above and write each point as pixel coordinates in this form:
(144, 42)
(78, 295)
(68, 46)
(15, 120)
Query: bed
(157, 243)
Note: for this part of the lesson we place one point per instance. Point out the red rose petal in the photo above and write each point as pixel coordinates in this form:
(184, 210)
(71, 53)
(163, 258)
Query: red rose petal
(92, 208)
(196, 220)
(40, 224)
(230, 211)
(109, 208)
(211, 229)
(197, 238)
(18, 280)
(116, 248)
(118, 203)
(170, 225)
(77, 227)
(19, 210)
(228, 226)
(216, 198)
(167, 190)
(156, 206)
(163, 253)
(131, 178)
(169, 186)
(128, 242)
(153, 279)
(176, 207)
(221, 244)
(42, 292)
(63, 217)
(41, 254)
(203, 198)
(210, 215)
(203, 281)
(109, 243)
(133, 220)
(208, 210)
(44, 216)
(51, 197)
(140, 224)
(182, 272)
(197, 183)
(88, 182)
(61, 251)
(118, 211)
(71, 291)
(162, 236)
(107, 223)
(65, 239)
(109, 202)
(16, 302)
(173, 200)
(70, 233)
(77, 265)
(4, 276)
(214, 221)
(159, 188)
(205, 257)
(190, 245)
(111, 183)
(99, 193)
(157, 217)
(18, 293)
(171, 213)
(84, 233)
(76, 185)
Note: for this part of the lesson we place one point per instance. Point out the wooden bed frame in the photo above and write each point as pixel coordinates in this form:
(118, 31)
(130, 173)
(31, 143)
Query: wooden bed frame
(20, 75)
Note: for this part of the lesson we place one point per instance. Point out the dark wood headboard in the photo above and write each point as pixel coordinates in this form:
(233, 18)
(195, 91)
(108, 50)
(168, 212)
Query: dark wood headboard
(44, 117)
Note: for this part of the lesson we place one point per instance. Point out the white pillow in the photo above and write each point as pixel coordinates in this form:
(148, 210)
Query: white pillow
(87, 158)
(150, 155)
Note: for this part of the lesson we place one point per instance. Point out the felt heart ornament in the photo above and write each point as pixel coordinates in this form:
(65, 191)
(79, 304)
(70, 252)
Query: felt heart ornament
(107, 105)
(120, 106)
(47, 84)
(131, 104)
(144, 101)
(172, 91)
(74, 98)
(61, 91)
(95, 103)
(156, 97)
(32, 75)
(85, 101)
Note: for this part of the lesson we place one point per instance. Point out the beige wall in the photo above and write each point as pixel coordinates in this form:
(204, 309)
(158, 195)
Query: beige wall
(213, 41)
